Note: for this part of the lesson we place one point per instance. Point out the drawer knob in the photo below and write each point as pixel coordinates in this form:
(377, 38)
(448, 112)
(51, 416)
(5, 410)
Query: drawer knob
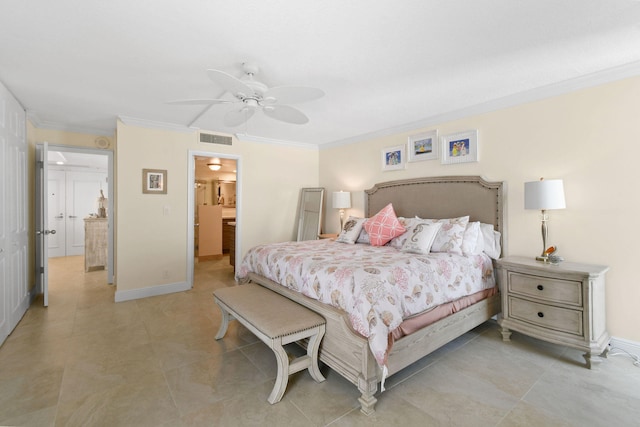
(540, 314)
(540, 287)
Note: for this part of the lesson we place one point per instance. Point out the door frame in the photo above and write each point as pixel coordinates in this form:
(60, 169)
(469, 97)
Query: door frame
(110, 199)
(191, 192)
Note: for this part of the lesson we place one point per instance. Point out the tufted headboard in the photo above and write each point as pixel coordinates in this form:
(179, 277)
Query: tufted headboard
(442, 197)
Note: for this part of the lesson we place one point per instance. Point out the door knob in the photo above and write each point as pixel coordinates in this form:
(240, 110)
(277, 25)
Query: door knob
(60, 216)
(45, 232)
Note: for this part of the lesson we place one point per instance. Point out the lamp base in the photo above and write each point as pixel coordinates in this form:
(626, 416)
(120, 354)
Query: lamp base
(542, 258)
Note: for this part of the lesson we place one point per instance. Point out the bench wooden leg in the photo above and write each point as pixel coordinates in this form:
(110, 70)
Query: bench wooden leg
(226, 317)
(312, 351)
(282, 359)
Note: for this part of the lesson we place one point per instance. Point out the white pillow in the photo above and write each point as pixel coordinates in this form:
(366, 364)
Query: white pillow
(472, 243)
(420, 237)
(363, 237)
(351, 230)
(491, 241)
(449, 238)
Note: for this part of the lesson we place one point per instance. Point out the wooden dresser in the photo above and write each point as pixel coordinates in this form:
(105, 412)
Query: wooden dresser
(228, 234)
(95, 243)
(563, 304)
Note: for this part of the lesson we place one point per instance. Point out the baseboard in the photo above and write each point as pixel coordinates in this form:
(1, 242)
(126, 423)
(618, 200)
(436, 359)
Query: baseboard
(626, 345)
(151, 291)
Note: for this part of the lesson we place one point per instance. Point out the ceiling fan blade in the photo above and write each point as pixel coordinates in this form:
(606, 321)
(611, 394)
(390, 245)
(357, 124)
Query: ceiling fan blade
(293, 94)
(286, 113)
(232, 84)
(199, 102)
(239, 116)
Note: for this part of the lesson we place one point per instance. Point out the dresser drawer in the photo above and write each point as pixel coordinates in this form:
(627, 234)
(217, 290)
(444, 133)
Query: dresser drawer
(546, 289)
(546, 316)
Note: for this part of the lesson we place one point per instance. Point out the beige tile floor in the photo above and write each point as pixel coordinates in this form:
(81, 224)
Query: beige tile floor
(86, 361)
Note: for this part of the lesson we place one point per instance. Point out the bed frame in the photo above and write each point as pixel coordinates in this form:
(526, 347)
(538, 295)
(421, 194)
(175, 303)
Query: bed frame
(347, 352)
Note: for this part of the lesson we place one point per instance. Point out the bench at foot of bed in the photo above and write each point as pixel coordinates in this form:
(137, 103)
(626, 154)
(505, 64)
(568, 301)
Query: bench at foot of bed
(277, 321)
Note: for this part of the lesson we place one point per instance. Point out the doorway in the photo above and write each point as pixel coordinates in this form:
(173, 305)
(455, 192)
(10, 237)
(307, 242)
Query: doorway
(73, 188)
(214, 209)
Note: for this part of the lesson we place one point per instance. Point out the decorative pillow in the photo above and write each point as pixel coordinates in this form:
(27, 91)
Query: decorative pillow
(449, 238)
(421, 237)
(491, 240)
(398, 241)
(350, 230)
(383, 226)
(471, 242)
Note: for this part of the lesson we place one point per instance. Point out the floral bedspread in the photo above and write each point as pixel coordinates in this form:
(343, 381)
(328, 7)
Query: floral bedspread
(376, 286)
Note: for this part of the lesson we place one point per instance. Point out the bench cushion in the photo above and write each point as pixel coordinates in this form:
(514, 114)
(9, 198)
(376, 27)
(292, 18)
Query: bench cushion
(270, 312)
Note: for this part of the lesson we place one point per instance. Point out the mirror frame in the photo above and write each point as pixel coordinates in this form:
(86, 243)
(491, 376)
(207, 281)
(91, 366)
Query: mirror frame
(302, 219)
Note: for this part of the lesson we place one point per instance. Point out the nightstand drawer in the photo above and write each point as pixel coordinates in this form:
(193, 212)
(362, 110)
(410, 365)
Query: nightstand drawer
(547, 289)
(546, 316)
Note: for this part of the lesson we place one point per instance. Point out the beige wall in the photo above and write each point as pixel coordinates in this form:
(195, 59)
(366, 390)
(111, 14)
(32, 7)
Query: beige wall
(587, 138)
(60, 137)
(151, 247)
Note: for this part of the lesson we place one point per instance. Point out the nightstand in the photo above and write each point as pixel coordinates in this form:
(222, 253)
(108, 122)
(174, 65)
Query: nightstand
(327, 236)
(562, 304)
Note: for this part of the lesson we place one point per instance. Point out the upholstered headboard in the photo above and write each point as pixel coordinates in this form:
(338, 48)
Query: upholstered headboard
(442, 197)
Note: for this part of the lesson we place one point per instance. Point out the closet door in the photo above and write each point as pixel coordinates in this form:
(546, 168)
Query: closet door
(4, 307)
(14, 296)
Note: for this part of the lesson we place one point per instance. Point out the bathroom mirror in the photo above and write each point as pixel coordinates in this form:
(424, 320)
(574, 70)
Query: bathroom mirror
(310, 212)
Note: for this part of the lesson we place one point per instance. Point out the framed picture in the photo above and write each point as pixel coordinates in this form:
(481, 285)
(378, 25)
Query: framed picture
(393, 158)
(459, 147)
(423, 146)
(154, 181)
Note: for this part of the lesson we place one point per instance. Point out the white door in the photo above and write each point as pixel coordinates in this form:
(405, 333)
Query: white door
(14, 229)
(42, 221)
(83, 190)
(4, 250)
(56, 213)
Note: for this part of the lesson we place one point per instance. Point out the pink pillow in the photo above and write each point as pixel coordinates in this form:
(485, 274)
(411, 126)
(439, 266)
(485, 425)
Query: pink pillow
(383, 226)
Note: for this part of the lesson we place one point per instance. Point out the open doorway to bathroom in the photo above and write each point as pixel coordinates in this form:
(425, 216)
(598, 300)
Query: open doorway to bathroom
(215, 195)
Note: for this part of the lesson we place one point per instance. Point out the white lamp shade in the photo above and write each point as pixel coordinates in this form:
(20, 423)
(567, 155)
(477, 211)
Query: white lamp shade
(341, 200)
(544, 194)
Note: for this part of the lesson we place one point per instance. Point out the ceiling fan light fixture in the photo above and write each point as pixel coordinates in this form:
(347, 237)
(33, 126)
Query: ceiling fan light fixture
(214, 166)
(252, 95)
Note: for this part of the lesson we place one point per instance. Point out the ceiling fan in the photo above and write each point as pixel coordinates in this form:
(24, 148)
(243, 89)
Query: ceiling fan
(252, 95)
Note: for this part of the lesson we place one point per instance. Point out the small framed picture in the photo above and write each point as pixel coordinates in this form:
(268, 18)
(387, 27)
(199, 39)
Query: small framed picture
(393, 158)
(423, 146)
(154, 181)
(461, 147)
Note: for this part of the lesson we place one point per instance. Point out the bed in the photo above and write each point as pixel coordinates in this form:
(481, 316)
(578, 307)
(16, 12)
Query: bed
(348, 352)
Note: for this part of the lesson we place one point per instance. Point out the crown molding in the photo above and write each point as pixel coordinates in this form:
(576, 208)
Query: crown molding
(263, 140)
(153, 124)
(610, 75)
(43, 124)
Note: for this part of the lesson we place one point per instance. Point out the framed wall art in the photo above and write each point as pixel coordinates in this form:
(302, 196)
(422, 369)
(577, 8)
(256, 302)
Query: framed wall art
(423, 146)
(154, 181)
(461, 147)
(393, 158)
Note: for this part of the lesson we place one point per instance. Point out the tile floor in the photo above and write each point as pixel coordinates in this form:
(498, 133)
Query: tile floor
(86, 361)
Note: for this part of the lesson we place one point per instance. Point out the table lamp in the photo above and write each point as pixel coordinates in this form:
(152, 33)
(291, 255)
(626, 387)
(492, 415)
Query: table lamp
(342, 201)
(544, 195)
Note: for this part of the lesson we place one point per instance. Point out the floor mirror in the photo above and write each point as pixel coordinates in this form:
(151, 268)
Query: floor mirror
(310, 210)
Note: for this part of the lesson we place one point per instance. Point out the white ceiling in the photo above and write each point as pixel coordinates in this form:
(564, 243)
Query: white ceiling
(384, 64)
